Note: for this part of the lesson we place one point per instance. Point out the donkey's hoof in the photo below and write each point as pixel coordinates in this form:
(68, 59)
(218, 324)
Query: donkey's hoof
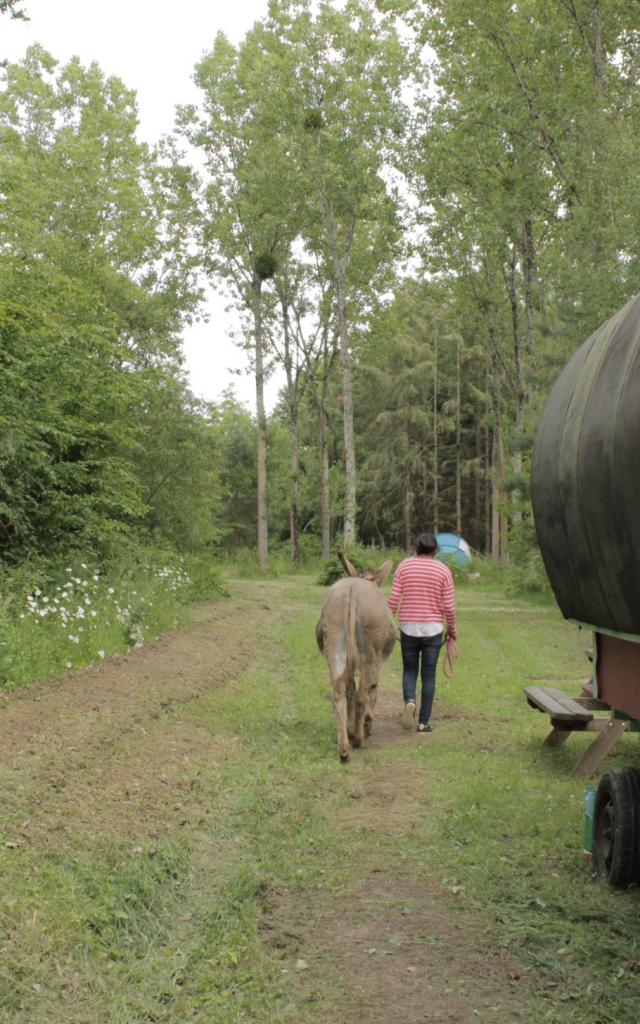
(345, 758)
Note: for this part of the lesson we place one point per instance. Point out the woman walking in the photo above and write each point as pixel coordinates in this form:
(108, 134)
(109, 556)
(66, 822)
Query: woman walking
(424, 597)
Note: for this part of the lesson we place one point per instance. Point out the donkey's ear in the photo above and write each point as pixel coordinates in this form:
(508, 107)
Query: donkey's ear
(380, 576)
(346, 565)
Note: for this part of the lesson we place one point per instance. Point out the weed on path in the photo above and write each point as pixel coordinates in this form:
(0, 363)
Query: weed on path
(180, 842)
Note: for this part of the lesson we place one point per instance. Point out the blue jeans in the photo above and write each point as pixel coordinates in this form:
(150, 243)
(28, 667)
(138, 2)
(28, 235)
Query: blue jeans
(412, 647)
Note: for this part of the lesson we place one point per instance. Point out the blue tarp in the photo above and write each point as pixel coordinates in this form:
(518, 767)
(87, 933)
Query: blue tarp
(454, 548)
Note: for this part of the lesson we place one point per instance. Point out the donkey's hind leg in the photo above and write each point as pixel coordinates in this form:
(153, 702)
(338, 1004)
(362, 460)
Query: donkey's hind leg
(351, 708)
(369, 687)
(340, 708)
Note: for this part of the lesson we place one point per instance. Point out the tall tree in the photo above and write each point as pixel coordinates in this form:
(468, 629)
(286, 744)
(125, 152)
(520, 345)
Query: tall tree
(321, 372)
(91, 303)
(301, 346)
(235, 441)
(521, 162)
(250, 197)
(339, 75)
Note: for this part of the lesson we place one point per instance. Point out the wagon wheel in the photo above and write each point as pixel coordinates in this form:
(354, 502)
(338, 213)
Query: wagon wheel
(616, 827)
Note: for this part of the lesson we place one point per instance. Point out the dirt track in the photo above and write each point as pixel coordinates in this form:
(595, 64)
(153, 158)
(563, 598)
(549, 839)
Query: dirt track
(84, 748)
(86, 751)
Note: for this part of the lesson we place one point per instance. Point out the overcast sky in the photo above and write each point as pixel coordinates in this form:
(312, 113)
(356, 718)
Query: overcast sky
(153, 45)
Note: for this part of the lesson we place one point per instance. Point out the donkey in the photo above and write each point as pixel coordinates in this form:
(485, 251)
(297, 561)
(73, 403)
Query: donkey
(355, 632)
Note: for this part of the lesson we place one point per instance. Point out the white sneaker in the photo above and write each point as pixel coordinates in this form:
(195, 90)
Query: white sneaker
(408, 715)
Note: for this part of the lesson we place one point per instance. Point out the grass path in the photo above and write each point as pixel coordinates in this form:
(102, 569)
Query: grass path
(180, 842)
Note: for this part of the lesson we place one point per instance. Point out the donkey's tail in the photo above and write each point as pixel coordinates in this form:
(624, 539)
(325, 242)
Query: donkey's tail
(351, 626)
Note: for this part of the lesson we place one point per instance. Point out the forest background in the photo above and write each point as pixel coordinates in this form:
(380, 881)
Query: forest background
(419, 211)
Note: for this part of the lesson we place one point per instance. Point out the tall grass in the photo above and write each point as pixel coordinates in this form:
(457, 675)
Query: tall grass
(56, 619)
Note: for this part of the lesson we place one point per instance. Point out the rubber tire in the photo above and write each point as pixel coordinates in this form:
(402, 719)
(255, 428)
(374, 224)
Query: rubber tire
(616, 827)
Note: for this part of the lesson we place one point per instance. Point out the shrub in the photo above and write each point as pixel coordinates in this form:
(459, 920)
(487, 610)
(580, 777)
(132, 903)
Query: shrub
(530, 577)
(361, 557)
(54, 619)
(332, 569)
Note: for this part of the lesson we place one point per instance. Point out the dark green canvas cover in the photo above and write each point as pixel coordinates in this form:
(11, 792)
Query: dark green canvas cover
(586, 479)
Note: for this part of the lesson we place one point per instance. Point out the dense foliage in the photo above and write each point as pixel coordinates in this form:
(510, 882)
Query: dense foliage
(419, 210)
(421, 383)
(95, 285)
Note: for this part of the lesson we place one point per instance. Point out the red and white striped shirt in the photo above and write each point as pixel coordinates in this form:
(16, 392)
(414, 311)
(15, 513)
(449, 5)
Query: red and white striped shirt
(426, 589)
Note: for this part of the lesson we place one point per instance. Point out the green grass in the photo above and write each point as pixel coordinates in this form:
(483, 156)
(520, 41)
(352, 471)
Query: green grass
(507, 823)
(99, 931)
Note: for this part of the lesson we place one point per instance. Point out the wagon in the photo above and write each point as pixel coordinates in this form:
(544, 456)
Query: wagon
(586, 501)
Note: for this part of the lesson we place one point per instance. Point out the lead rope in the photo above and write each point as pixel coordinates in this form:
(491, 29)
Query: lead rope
(451, 652)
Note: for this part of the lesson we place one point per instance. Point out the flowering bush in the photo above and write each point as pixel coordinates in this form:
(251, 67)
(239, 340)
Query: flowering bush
(81, 614)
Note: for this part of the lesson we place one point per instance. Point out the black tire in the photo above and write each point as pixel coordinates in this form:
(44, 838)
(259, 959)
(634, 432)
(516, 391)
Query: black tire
(616, 827)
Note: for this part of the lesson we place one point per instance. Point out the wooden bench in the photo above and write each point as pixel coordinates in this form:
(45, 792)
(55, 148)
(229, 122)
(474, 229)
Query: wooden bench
(569, 715)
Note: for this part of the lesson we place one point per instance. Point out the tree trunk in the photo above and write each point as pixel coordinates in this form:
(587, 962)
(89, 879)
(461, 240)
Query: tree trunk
(294, 472)
(499, 522)
(488, 490)
(520, 397)
(598, 59)
(340, 260)
(425, 491)
(347, 412)
(325, 483)
(530, 274)
(458, 442)
(495, 511)
(293, 402)
(263, 539)
(504, 533)
(319, 394)
(477, 492)
(436, 468)
(408, 519)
